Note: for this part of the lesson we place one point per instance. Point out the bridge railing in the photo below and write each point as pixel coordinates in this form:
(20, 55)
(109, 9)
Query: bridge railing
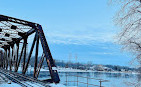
(85, 81)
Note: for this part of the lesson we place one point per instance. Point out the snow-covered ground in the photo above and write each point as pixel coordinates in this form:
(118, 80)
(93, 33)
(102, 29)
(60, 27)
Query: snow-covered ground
(5, 82)
(72, 70)
(61, 69)
(58, 69)
(60, 85)
(9, 85)
(56, 85)
(33, 85)
(31, 69)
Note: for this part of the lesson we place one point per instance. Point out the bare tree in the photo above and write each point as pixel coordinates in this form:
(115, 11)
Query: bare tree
(133, 84)
(129, 20)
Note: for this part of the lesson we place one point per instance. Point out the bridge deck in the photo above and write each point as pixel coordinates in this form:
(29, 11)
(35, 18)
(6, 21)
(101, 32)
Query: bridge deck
(24, 81)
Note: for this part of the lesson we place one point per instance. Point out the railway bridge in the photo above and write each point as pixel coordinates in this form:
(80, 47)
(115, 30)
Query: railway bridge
(14, 53)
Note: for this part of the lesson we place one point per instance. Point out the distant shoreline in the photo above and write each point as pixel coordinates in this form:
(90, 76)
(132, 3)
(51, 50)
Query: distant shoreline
(77, 70)
(70, 70)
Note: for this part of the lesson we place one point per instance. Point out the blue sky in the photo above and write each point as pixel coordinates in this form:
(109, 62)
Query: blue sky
(73, 27)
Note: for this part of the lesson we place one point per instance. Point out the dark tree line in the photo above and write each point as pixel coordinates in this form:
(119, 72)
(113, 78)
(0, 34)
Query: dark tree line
(83, 66)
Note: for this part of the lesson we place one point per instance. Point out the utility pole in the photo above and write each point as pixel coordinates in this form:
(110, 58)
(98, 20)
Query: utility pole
(70, 56)
(76, 60)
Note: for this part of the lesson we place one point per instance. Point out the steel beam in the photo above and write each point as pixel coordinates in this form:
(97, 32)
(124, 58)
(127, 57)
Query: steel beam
(15, 20)
(39, 66)
(25, 44)
(54, 74)
(20, 58)
(21, 38)
(36, 56)
(11, 62)
(17, 45)
(9, 56)
(31, 50)
(6, 59)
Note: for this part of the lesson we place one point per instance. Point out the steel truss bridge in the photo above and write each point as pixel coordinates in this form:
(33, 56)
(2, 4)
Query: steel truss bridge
(14, 34)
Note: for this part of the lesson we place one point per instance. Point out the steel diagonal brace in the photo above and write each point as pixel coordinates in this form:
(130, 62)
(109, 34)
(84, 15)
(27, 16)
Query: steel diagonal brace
(54, 74)
(31, 50)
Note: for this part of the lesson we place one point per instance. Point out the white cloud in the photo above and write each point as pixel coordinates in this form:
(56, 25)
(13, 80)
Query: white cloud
(86, 39)
(104, 53)
(80, 34)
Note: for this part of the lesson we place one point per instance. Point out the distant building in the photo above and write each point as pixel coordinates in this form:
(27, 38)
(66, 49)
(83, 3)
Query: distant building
(81, 67)
(99, 68)
(108, 69)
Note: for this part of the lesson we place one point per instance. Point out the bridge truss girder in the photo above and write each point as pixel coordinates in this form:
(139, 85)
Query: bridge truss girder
(8, 57)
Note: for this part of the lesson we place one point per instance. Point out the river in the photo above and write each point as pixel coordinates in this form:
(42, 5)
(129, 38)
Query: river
(114, 79)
